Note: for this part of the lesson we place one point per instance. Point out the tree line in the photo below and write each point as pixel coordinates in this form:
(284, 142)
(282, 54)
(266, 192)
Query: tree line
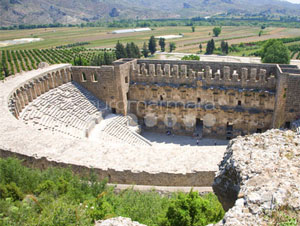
(131, 50)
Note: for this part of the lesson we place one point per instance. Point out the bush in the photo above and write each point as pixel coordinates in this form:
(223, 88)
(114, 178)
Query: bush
(191, 57)
(58, 197)
(191, 209)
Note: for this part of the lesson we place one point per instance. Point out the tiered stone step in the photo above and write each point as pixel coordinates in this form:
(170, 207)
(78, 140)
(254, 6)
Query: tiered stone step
(117, 127)
(69, 109)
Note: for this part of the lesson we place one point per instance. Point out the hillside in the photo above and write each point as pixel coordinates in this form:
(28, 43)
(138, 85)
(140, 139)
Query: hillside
(14, 12)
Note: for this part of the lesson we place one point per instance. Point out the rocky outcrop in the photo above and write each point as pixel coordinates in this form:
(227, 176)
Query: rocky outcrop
(118, 221)
(259, 174)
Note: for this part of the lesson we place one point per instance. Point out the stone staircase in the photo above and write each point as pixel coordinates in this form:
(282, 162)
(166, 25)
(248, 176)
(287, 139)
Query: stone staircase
(119, 127)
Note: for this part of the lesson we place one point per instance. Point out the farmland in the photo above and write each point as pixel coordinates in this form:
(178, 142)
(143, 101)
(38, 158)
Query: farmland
(15, 61)
(23, 57)
(102, 37)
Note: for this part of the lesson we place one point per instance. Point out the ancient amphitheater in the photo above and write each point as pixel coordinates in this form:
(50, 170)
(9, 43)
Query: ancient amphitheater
(127, 120)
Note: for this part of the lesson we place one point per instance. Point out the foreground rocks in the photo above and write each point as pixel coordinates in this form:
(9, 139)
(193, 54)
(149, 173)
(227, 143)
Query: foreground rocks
(118, 221)
(259, 174)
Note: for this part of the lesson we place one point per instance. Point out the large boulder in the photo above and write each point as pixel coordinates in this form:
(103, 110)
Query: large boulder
(259, 176)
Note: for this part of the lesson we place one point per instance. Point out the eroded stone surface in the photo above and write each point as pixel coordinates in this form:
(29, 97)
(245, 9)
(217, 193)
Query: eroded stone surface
(262, 172)
(118, 221)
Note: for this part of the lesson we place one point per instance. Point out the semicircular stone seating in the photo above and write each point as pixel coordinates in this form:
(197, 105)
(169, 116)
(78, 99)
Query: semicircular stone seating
(72, 110)
(69, 109)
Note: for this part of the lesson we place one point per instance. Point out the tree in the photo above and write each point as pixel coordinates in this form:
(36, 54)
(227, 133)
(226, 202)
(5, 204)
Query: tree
(200, 47)
(172, 46)
(136, 50)
(193, 28)
(224, 47)
(120, 51)
(217, 31)
(162, 44)
(108, 58)
(274, 51)
(145, 50)
(260, 33)
(210, 47)
(129, 50)
(152, 45)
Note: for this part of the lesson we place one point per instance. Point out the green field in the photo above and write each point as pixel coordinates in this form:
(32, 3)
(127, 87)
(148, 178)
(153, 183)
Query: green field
(24, 57)
(102, 37)
(16, 61)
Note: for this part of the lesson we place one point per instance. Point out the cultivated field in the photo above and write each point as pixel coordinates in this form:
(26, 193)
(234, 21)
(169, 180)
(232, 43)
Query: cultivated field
(24, 57)
(102, 38)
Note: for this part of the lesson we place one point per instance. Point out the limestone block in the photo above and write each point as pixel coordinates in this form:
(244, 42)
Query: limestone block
(244, 74)
(183, 71)
(253, 74)
(235, 76)
(152, 69)
(226, 72)
(159, 70)
(208, 73)
(262, 75)
(217, 75)
(144, 71)
(175, 70)
(167, 70)
(191, 73)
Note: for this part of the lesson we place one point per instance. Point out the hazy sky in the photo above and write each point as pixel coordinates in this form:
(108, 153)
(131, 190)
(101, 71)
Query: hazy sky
(294, 1)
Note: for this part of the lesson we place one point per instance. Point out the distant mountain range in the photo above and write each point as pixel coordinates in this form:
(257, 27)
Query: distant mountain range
(15, 12)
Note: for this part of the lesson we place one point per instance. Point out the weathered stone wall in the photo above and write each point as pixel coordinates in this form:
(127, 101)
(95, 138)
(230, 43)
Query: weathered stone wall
(109, 83)
(259, 175)
(292, 106)
(257, 76)
(243, 98)
(196, 179)
(187, 104)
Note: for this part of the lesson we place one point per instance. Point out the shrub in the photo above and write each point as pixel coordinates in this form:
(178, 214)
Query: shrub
(191, 57)
(191, 209)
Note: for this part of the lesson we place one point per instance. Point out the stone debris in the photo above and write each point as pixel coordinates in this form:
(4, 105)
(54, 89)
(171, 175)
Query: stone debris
(258, 175)
(118, 221)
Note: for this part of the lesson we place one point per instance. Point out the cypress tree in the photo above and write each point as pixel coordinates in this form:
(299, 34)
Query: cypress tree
(223, 46)
(210, 47)
(129, 51)
(172, 46)
(162, 44)
(136, 51)
(152, 45)
(120, 51)
(145, 50)
(200, 47)
(226, 48)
